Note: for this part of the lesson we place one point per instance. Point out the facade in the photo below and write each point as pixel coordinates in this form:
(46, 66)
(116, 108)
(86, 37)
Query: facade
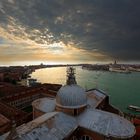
(24, 98)
(73, 115)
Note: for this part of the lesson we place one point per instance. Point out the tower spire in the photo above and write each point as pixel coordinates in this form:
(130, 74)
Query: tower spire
(71, 76)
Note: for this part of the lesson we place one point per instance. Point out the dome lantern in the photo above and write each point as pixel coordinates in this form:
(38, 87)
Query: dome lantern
(71, 76)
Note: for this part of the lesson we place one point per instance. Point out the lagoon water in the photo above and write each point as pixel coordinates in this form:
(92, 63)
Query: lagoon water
(123, 89)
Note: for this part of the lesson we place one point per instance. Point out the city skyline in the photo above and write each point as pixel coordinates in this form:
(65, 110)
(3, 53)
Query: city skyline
(52, 31)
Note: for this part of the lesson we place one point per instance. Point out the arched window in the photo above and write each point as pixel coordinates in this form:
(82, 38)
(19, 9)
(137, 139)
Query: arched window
(85, 137)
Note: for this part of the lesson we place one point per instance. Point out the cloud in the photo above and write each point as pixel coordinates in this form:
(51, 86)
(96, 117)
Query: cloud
(110, 27)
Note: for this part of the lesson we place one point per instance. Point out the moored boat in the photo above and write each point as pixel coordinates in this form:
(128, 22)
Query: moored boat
(135, 108)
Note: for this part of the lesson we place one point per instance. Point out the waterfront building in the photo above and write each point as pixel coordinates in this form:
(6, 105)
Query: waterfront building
(23, 98)
(73, 115)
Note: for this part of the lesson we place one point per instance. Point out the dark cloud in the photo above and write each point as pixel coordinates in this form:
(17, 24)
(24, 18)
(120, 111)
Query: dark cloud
(110, 26)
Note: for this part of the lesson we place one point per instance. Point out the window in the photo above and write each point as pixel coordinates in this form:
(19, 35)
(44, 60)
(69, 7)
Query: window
(85, 137)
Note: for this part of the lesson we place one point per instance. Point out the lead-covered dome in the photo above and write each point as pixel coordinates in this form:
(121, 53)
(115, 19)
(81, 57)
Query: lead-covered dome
(71, 96)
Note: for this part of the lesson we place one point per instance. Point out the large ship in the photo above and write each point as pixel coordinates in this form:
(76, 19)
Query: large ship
(133, 107)
(119, 70)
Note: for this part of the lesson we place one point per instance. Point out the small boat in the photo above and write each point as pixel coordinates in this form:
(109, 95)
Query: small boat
(135, 108)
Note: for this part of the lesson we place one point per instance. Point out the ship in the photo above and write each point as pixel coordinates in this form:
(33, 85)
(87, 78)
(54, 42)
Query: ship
(111, 69)
(133, 107)
(118, 68)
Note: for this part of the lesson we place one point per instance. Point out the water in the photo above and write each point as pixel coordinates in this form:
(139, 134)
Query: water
(123, 89)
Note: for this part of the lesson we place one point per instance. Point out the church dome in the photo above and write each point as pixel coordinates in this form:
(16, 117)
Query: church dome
(71, 96)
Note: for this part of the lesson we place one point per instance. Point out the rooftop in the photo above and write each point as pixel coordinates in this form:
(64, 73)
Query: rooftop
(58, 125)
(105, 123)
(51, 126)
(44, 104)
(95, 97)
(71, 96)
(3, 120)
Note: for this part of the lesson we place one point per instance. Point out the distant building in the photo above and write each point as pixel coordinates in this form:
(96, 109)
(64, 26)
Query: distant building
(1, 77)
(73, 116)
(115, 62)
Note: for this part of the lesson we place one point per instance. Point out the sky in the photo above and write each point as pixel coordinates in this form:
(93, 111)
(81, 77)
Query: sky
(69, 31)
